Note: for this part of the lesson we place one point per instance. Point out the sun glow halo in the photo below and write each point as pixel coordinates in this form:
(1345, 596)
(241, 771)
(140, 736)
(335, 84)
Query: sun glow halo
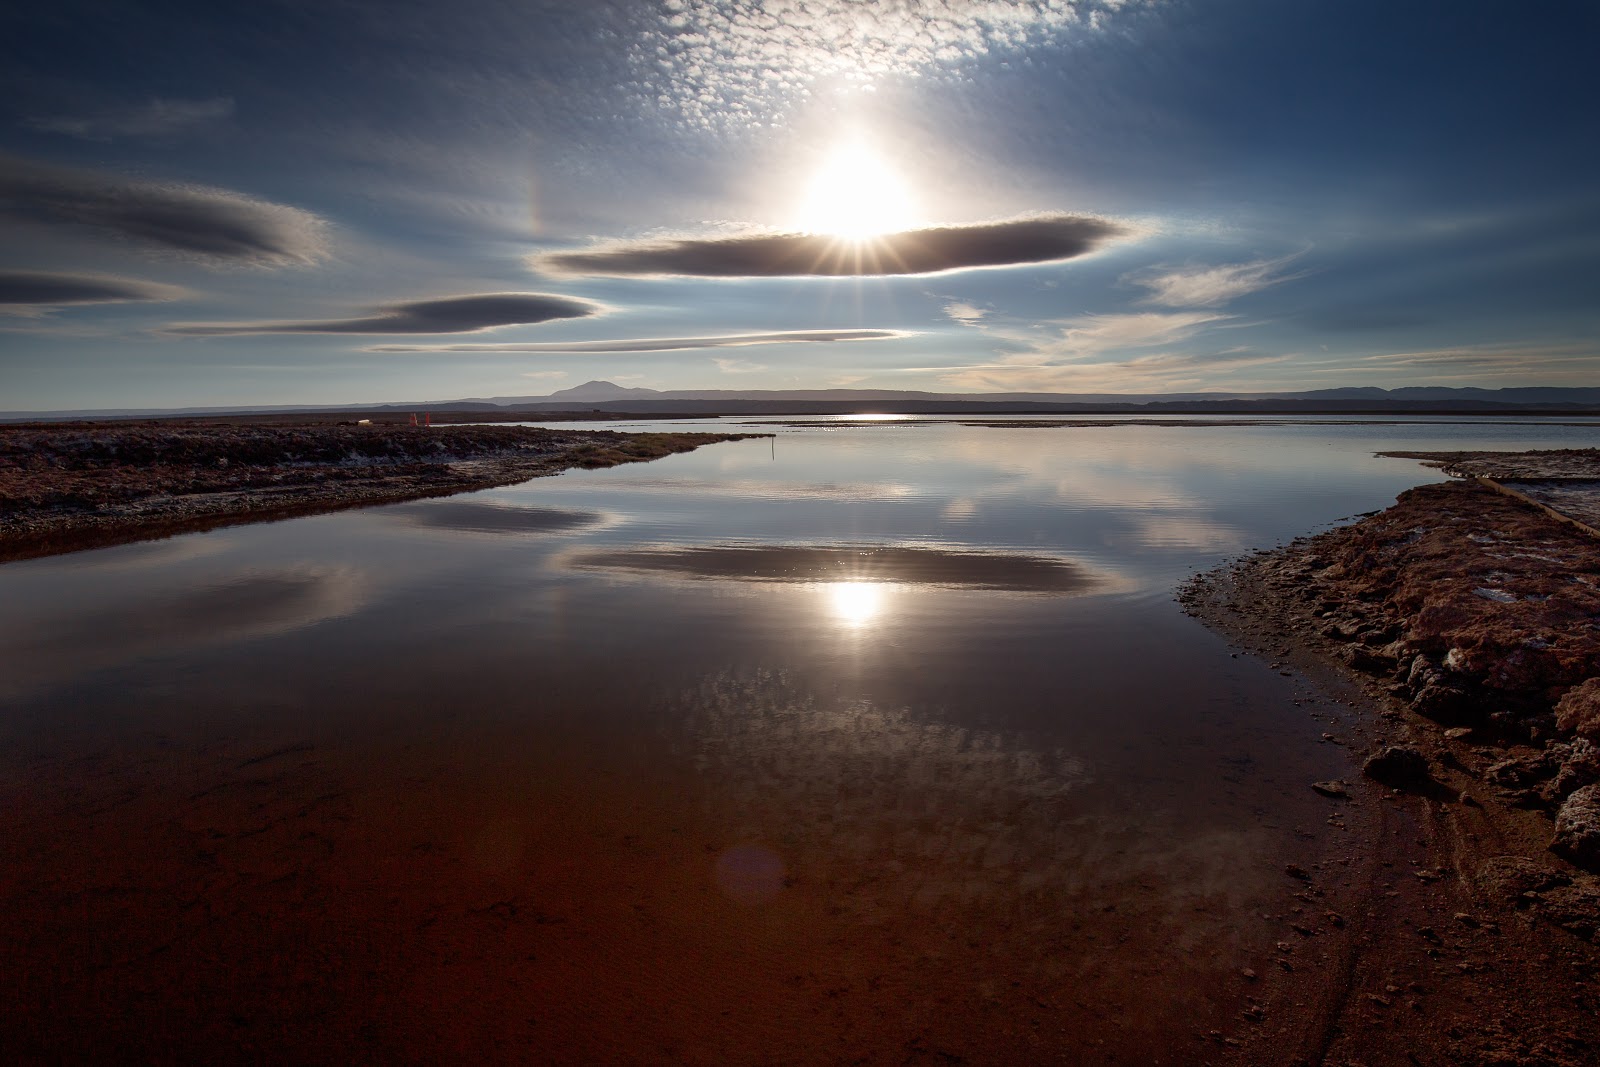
(856, 196)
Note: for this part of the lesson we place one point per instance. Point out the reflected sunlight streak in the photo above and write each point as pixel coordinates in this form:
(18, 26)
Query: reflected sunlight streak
(855, 603)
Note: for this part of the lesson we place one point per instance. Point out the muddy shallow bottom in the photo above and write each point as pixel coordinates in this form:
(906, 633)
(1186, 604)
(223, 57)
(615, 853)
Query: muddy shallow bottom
(745, 869)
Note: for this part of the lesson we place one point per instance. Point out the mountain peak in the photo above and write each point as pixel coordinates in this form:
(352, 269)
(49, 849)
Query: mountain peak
(597, 390)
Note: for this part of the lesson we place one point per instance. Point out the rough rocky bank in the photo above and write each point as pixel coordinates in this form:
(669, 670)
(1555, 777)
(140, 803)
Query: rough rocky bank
(1468, 621)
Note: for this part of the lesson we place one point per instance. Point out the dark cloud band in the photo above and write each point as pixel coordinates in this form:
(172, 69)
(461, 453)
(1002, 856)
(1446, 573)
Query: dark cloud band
(46, 289)
(193, 220)
(658, 344)
(1037, 239)
(453, 314)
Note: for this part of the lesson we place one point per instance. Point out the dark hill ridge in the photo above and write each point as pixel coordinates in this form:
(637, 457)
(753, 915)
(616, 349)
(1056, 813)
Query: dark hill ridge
(610, 398)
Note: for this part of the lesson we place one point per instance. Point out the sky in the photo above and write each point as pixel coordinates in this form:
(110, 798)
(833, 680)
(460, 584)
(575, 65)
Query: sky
(356, 201)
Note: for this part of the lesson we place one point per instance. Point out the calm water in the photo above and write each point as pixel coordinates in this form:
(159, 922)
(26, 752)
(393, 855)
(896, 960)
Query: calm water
(876, 742)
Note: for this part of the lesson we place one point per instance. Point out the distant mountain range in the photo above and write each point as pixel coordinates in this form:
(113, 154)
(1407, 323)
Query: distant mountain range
(608, 397)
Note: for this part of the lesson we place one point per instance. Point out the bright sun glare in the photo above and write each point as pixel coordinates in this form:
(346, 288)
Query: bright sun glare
(855, 195)
(855, 603)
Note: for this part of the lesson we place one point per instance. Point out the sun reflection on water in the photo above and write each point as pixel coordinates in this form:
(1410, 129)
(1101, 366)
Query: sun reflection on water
(855, 603)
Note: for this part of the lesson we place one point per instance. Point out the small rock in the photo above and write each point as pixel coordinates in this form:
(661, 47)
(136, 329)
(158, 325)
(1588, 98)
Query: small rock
(1577, 836)
(1509, 878)
(1521, 772)
(1336, 790)
(1573, 907)
(1442, 703)
(1467, 920)
(1361, 658)
(1458, 733)
(1249, 975)
(1294, 870)
(1579, 710)
(1397, 766)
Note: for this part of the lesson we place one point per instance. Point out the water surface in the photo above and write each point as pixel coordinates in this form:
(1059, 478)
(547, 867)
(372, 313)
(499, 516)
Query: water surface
(880, 742)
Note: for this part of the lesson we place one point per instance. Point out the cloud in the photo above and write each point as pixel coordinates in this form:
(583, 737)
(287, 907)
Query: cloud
(1102, 333)
(196, 221)
(34, 292)
(964, 313)
(453, 314)
(1014, 242)
(156, 118)
(737, 366)
(1515, 362)
(1212, 286)
(659, 344)
(1153, 373)
(716, 64)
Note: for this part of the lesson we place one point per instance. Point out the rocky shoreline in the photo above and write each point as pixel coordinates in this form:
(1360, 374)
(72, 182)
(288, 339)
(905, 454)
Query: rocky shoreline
(65, 487)
(1463, 625)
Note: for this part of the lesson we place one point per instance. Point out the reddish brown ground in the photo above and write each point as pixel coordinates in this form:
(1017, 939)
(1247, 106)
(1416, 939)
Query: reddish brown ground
(1465, 618)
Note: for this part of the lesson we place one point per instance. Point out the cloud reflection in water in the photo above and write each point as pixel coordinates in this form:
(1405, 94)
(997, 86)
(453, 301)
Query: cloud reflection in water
(854, 566)
(478, 517)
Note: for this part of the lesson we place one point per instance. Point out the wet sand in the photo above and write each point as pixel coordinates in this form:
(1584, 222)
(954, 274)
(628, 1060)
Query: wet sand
(70, 486)
(1460, 622)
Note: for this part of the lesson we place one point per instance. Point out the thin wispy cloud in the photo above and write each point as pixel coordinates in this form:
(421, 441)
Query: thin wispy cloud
(454, 314)
(658, 344)
(1103, 333)
(1569, 363)
(1014, 242)
(1211, 286)
(738, 366)
(1151, 373)
(964, 313)
(156, 119)
(39, 292)
(193, 221)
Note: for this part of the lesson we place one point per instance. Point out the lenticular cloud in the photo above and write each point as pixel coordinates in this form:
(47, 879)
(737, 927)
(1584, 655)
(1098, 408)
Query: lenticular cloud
(1017, 242)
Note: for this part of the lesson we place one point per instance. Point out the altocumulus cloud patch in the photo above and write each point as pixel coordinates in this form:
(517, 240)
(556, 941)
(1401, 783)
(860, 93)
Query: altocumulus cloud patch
(1010, 243)
(451, 314)
(718, 63)
(39, 290)
(198, 221)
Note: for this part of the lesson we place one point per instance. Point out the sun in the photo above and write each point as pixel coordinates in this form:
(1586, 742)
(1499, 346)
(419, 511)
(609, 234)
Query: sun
(856, 195)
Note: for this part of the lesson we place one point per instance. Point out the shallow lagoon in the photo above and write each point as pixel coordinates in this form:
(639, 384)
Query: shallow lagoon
(874, 741)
